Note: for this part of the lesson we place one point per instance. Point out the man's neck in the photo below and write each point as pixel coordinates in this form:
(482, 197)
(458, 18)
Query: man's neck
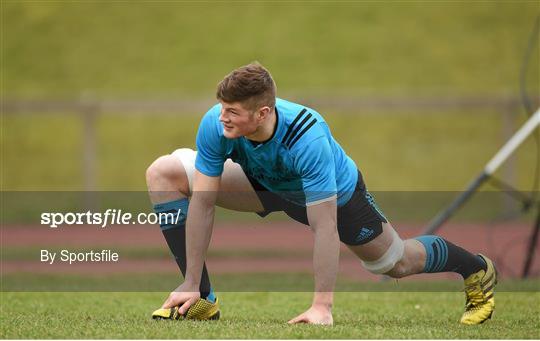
(265, 130)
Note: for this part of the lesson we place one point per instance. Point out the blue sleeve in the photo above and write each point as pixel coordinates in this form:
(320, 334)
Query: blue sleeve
(314, 161)
(210, 147)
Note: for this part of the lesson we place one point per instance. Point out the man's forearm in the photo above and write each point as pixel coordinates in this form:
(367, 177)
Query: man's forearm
(198, 234)
(325, 263)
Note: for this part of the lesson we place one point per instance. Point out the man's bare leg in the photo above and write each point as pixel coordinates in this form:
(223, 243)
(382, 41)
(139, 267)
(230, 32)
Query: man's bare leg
(169, 189)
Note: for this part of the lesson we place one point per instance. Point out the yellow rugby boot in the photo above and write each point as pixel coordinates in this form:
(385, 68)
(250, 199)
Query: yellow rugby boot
(479, 292)
(201, 310)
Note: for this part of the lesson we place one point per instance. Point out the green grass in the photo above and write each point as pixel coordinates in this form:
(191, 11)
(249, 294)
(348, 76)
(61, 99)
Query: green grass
(183, 48)
(170, 50)
(358, 315)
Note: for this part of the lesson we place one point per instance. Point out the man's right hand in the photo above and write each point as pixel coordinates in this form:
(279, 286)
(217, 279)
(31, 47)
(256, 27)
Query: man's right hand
(317, 314)
(184, 296)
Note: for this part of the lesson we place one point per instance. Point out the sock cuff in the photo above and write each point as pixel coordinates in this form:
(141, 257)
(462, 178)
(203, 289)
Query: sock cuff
(436, 252)
(170, 205)
(172, 213)
(211, 296)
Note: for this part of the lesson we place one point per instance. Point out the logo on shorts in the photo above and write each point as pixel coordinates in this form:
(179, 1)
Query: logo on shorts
(365, 233)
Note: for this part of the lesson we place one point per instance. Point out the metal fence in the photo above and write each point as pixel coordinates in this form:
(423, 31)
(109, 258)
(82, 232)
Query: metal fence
(89, 109)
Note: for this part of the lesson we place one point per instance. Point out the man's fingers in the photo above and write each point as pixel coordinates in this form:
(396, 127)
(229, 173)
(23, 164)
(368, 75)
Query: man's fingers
(172, 301)
(184, 308)
(299, 319)
(305, 318)
(167, 304)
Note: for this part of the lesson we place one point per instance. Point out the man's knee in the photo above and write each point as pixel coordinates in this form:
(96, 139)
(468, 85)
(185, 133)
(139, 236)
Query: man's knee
(163, 167)
(390, 262)
(167, 173)
(412, 261)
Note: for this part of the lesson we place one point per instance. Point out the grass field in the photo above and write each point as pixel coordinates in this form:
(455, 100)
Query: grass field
(358, 315)
(335, 50)
(65, 49)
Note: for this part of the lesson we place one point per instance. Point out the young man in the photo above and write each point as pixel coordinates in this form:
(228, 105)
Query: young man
(261, 154)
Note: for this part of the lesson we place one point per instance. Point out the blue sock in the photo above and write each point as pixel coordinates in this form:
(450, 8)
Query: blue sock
(443, 256)
(436, 253)
(211, 296)
(173, 227)
(172, 213)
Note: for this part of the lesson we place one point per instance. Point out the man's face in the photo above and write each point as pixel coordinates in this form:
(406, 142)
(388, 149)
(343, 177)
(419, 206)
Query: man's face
(237, 121)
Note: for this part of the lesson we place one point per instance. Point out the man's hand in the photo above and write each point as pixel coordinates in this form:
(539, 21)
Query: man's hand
(315, 315)
(184, 296)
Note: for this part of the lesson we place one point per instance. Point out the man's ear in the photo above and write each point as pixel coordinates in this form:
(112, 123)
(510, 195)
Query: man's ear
(264, 112)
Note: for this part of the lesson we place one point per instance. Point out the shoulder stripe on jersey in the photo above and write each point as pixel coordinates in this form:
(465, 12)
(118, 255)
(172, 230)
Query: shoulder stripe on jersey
(302, 132)
(292, 124)
(298, 127)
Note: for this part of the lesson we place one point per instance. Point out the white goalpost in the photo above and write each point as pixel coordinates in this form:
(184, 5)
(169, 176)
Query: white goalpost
(496, 161)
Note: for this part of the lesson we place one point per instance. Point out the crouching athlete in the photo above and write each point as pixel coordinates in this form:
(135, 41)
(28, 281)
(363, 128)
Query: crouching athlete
(258, 153)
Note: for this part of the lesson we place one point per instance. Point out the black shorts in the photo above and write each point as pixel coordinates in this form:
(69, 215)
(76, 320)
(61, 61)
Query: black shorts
(358, 221)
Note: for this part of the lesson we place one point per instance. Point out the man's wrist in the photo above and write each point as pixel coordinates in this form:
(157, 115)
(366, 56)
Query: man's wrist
(190, 284)
(323, 300)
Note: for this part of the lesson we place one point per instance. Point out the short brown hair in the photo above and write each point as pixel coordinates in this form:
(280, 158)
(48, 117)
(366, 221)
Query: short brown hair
(250, 84)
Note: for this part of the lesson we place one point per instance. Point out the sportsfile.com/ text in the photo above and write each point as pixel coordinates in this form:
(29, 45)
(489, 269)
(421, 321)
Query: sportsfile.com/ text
(104, 219)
